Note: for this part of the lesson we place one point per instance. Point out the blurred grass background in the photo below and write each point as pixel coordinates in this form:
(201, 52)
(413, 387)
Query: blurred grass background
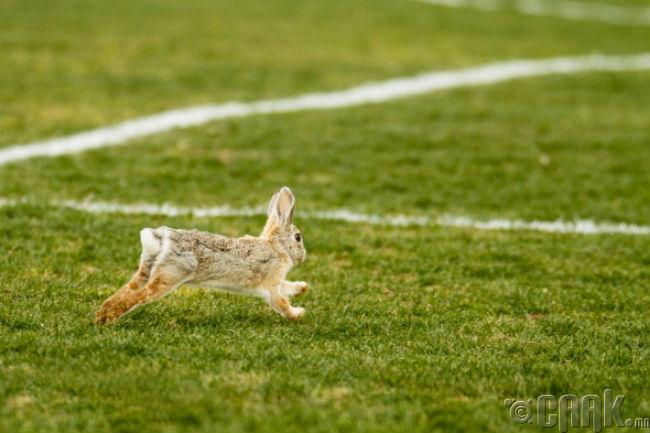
(407, 329)
(71, 65)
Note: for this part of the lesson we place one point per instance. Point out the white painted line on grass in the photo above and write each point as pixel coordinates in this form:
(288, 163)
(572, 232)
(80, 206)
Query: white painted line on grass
(365, 94)
(343, 215)
(566, 9)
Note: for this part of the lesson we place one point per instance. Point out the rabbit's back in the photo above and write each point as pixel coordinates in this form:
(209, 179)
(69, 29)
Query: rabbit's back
(226, 262)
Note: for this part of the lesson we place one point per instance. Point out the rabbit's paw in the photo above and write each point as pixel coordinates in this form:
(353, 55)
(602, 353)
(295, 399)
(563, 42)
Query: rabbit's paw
(296, 313)
(106, 315)
(301, 287)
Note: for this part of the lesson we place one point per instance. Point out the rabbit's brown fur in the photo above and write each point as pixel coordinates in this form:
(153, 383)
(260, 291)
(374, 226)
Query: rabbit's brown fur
(250, 265)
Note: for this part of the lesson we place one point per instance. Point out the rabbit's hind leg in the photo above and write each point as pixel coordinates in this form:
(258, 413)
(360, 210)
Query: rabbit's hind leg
(137, 281)
(170, 271)
(293, 288)
(141, 276)
(161, 271)
(163, 280)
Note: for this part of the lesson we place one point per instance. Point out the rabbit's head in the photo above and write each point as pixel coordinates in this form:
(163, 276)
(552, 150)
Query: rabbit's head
(279, 225)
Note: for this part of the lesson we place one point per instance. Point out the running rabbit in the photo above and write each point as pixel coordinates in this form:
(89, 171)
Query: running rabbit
(251, 265)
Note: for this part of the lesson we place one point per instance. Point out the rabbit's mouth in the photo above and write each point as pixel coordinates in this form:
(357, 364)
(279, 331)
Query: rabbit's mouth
(301, 258)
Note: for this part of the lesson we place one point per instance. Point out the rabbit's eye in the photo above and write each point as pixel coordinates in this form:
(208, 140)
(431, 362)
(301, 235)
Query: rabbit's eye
(298, 237)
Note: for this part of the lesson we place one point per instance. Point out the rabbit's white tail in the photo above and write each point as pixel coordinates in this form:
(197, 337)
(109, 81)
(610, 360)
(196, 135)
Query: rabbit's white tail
(152, 241)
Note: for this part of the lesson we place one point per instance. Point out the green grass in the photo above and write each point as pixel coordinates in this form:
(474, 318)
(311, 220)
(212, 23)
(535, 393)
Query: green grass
(471, 151)
(407, 329)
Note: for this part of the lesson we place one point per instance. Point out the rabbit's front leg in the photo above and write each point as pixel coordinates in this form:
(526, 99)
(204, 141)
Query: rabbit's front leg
(293, 288)
(280, 303)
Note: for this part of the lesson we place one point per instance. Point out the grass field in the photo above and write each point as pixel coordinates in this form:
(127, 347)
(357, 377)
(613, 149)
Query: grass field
(408, 329)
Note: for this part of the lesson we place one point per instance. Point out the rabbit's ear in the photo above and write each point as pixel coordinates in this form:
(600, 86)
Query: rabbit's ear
(284, 206)
(271, 212)
(280, 212)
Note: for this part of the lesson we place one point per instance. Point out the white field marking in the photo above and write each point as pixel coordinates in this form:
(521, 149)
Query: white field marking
(343, 215)
(567, 9)
(364, 94)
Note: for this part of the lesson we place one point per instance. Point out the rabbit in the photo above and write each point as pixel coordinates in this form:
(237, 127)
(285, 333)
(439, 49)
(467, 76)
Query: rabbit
(250, 265)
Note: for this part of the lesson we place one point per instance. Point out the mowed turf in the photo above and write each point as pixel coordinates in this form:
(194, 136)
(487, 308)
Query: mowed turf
(545, 148)
(407, 329)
